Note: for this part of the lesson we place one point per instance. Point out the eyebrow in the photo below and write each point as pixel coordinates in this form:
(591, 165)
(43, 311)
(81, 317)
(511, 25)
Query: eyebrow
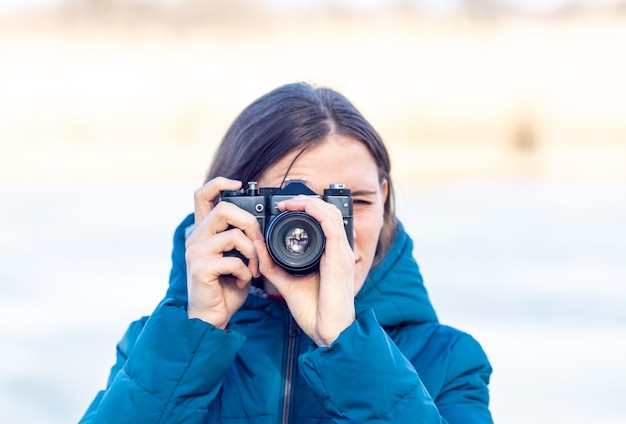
(363, 192)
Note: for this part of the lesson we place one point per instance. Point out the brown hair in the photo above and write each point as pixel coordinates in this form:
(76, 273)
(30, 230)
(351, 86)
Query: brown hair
(299, 116)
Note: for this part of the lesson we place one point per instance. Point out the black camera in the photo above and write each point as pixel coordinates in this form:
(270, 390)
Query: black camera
(294, 239)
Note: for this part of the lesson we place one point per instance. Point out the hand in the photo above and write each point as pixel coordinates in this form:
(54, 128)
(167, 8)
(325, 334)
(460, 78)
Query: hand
(217, 285)
(322, 303)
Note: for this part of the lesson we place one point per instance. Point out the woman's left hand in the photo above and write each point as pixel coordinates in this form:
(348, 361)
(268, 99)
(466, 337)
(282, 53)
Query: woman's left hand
(322, 303)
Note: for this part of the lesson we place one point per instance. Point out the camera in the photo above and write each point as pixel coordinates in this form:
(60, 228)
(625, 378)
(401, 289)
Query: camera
(294, 239)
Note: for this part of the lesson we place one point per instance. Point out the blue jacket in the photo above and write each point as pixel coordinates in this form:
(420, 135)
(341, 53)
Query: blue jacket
(394, 364)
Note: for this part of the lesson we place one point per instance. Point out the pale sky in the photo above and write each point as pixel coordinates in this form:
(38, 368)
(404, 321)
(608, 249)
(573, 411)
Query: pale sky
(438, 7)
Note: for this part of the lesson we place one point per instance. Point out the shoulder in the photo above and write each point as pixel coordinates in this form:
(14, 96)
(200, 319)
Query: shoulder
(433, 337)
(441, 354)
(465, 355)
(455, 339)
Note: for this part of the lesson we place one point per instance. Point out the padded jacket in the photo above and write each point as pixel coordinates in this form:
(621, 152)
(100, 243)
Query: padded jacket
(394, 364)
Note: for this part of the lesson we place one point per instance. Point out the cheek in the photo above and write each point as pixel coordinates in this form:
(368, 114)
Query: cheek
(367, 229)
(367, 232)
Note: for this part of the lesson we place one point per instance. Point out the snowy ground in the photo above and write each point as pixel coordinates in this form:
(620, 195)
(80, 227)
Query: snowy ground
(535, 271)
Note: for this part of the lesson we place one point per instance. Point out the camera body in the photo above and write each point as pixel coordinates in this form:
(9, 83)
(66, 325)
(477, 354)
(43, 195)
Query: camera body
(294, 239)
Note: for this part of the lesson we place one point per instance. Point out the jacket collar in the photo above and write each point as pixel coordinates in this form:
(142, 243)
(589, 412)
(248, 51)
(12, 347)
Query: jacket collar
(394, 289)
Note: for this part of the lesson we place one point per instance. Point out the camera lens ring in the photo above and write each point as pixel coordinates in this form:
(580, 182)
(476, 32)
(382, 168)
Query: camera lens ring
(280, 232)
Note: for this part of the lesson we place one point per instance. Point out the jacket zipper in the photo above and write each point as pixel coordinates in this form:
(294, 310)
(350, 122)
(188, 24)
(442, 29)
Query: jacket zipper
(291, 356)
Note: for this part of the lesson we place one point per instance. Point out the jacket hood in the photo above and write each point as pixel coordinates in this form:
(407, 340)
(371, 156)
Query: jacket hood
(394, 289)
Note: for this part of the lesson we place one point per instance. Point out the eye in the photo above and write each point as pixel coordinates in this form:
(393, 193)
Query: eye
(362, 202)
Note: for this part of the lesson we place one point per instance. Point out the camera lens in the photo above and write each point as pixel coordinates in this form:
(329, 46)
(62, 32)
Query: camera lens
(295, 241)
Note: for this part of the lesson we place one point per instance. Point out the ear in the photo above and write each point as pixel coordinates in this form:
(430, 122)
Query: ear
(384, 189)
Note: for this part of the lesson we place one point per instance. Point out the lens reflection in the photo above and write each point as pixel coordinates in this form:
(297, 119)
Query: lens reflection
(297, 241)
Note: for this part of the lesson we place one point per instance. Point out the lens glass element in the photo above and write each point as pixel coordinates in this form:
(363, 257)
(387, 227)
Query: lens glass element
(297, 241)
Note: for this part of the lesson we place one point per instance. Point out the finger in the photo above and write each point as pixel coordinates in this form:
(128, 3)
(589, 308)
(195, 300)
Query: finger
(231, 240)
(239, 283)
(238, 241)
(204, 271)
(212, 296)
(327, 214)
(235, 269)
(336, 289)
(206, 195)
(223, 216)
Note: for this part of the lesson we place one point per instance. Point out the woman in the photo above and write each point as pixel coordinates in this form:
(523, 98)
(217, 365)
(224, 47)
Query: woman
(240, 340)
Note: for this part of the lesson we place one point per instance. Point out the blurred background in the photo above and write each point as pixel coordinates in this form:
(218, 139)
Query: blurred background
(505, 119)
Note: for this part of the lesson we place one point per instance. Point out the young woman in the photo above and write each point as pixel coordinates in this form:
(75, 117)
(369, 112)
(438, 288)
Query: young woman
(238, 339)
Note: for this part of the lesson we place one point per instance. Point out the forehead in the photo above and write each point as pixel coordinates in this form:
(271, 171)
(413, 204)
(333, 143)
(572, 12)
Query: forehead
(338, 159)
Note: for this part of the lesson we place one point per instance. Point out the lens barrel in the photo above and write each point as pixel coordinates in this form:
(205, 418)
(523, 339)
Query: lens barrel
(295, 241)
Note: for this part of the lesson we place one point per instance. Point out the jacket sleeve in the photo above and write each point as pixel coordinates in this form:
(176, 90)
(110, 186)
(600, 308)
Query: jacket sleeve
(364, 377)
(171, 370)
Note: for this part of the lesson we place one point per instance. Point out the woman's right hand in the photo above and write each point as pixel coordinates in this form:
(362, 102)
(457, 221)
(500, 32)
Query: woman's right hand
(218, 285)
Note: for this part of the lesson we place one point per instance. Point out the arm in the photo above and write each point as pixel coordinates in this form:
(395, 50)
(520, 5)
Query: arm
(363, 377)
(172, 369)
(123, 349)
(173, 372)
